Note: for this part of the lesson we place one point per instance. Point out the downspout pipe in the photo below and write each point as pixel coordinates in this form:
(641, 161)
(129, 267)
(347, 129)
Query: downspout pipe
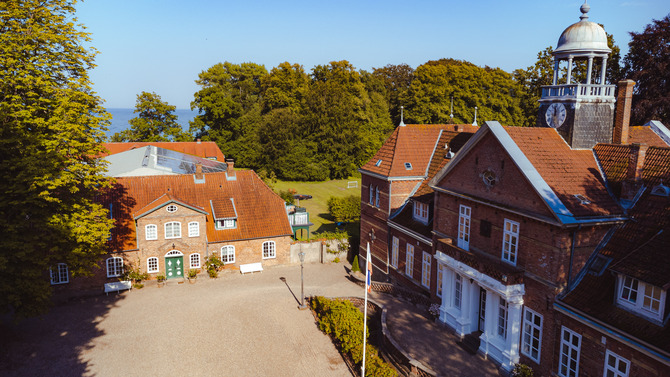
(572, 254)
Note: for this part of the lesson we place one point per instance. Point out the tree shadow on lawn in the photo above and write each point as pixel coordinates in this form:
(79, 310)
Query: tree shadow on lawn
(55, 343)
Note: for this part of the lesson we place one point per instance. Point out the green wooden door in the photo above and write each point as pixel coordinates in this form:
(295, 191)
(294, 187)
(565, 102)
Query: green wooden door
(174, 267)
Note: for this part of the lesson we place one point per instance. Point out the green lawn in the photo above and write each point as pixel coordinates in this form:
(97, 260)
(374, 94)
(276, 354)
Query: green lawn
(318, 205)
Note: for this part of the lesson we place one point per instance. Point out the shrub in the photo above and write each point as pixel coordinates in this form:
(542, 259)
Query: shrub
(354, 265)
(336, 260)
(344, 322)
(522, 370)
(213, 264)
(287, 196)
(192, 273)
(135, 275)
(345, 209)
(160, 278)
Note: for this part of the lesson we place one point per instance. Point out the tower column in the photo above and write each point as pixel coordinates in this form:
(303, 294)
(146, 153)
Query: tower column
(588, 71)
(569, 78)
(603, 71)
(555, 81)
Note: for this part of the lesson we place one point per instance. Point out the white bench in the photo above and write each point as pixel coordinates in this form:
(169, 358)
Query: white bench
(251, 267)
(118, 286)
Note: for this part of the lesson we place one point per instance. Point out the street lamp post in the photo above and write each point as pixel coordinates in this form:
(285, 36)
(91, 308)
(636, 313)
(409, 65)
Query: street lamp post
(302, 306)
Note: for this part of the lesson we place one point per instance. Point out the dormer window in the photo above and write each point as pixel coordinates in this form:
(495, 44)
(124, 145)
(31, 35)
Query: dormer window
(421, 212)
(641, 298)
(226, 224)
(408, 165)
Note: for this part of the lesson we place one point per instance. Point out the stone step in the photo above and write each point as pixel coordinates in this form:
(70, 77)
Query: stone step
(471, 342)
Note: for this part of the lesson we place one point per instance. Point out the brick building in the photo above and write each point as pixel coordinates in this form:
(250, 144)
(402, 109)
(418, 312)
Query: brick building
(170, 223)
(546, 245)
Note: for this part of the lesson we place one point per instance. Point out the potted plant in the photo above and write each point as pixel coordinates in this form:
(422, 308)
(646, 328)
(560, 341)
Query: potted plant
(192, 275)
(161, 280)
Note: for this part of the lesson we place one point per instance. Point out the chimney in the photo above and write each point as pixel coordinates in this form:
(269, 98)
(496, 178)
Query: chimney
(623, 104)
(198, 170)
(230, 172)
(198, 141)
(633, 182)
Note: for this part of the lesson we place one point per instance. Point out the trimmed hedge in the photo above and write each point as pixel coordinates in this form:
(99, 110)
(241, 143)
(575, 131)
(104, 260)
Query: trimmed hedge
(344, 322)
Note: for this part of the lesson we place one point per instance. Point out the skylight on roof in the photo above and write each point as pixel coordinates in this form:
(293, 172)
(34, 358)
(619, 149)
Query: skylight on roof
(379, 162)
(582, 199)
(408, 165)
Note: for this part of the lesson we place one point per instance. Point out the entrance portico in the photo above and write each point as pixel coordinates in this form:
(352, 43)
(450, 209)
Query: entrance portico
(470, 297)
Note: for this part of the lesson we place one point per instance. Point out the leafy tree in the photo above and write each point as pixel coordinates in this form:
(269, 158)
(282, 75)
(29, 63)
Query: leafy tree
(52, 126)
(397, 80)
(229, 103)
(345, 209)
(155, 121)
(285, 86)
(492, 90)
(648, 64)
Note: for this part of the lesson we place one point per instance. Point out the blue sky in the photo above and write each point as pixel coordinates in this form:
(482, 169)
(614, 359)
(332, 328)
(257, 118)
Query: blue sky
(162, 45)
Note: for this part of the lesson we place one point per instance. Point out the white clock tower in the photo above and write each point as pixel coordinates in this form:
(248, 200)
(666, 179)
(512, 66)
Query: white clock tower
(580, 108)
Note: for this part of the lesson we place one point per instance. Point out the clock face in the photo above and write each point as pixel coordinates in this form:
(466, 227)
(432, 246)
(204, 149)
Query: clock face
(555, 115)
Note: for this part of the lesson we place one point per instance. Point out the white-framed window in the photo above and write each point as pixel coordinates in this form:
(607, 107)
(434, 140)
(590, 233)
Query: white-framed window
(371, 197)
(503, 310)
(569, 360)
(226, 224)
(510, 241)
(531, 340)
(395, 246)
(425, 270)
(377, 196)
(194, 229)
(615, 365)
(269, 250)
(440, 275)
(421, 212)
(173, 229)
(152, 264)
(464, 227)
(59, 274)
(409, 260)
(171, 208)
(194, 260)
(641, 298)
(114, 267)
(151, 232)
(458, 291)
(228, 254)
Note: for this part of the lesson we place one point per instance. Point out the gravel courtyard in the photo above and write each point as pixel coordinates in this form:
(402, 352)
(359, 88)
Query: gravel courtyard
(232, 326)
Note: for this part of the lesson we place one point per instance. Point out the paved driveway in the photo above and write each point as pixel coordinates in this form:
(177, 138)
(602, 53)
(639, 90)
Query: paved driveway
(232, 326)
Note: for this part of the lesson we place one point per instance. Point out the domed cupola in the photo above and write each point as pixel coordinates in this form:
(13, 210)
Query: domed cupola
(580, 107)
(583, 37)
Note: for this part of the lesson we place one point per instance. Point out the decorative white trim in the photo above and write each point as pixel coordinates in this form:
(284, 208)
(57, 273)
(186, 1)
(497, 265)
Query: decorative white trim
(174, 253)
(660, 129)
(419, 237)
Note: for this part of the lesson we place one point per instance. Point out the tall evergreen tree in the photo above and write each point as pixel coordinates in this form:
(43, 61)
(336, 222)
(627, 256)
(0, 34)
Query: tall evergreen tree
(51, 128)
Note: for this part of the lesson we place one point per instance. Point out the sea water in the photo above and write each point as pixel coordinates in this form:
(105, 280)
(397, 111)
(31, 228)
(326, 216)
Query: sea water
(120, 118)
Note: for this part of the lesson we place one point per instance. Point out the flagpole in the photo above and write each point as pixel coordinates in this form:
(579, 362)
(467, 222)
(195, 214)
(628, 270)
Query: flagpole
(368, 281)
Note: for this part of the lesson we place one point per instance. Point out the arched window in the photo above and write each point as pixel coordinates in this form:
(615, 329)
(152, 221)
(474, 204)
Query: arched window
(193, 229)
(114, 267)
(195, 260)
(173, 229)
(174, 253)
(151, 232)
(228, 254)
(269, 250)
(59, 274)
(152, 264)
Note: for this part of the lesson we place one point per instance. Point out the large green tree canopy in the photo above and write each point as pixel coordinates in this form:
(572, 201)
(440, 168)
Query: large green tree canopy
(51, 127)
(155, 121)
(648, 64)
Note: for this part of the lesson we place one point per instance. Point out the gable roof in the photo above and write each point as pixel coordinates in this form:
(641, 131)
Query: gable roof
(204, 149)
(161, 202)
(260, 212)
(640, 248)
(413, 144)
(555, 171)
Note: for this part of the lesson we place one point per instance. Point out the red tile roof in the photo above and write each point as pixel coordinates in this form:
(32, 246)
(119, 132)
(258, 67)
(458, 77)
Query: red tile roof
(414, 144)
(260, 212)
(645, 135)
(204, 149)
(568, 172)
(640, 248)
(223, 209)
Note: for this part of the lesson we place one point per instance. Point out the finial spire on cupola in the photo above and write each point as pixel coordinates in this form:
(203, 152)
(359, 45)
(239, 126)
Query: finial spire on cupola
(402, 122)
(451, 113)
(475, 122)
(585, 8)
